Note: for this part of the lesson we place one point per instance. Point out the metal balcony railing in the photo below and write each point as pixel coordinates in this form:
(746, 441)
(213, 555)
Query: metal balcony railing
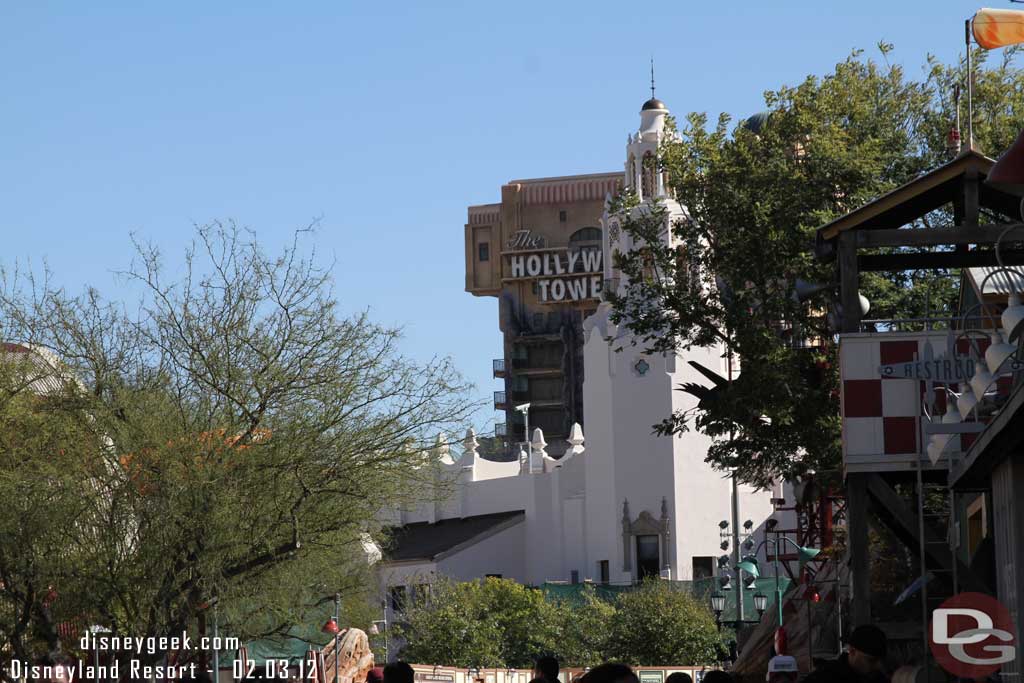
(498, 367)
(500, 430)
(499, 400)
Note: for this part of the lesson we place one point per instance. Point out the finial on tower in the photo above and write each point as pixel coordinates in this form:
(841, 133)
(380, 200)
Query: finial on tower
(652, 77)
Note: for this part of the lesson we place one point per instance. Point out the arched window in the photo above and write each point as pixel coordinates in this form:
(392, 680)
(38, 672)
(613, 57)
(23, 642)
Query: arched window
(632, 171)
(649, 169)
(586, 235)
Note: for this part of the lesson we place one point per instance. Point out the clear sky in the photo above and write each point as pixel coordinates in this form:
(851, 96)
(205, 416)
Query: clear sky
(382, 119)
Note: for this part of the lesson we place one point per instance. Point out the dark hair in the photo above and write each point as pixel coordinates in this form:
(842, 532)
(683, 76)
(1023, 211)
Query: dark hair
(548, 668)
(398, 672)
(679, 677)
(716, 676)
(610, 673)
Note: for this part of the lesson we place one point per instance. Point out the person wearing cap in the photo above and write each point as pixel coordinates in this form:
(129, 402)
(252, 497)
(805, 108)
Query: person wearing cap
(861, 663)
(375, 675)
(782, 669)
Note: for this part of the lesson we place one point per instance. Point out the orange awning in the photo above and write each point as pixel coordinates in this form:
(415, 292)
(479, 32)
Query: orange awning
(998, 27)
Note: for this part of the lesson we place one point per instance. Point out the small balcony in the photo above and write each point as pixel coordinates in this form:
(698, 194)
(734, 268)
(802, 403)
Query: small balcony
(498, 367)
(500, 403)
(500, 430)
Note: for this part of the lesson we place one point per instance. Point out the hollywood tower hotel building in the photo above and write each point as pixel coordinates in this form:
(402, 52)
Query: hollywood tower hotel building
(621, 503)
(539, 253)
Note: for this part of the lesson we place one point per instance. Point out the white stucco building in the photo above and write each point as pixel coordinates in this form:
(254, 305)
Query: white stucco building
(622, 503)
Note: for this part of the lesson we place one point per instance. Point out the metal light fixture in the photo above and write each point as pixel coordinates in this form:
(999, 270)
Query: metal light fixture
(717, 603)
(724, 545)
(330, 627)
(749, 565)
(748, 525)
(1012, 318)
(805, 555)
(760, 603)
(865, 305)
(750, 583)
(723, 525)
(981, 381)
(997, 353)
(726, 582)
(966, 402)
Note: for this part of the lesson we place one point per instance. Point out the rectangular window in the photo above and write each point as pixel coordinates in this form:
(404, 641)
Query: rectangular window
(483, 251)
(703, 568)
(602, 567)
(562, 217)
(574, 576)
(398, 599)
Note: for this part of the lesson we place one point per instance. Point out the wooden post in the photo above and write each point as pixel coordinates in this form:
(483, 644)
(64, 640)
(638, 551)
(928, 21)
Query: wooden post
(970, 190)
(857, 548)
(849, 282)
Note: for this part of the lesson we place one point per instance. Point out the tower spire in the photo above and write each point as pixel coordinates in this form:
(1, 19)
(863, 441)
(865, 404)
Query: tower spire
(652, 77)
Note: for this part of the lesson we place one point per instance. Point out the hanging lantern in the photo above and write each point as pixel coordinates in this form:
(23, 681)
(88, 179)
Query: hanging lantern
(997, 353)
(966, 402)
(865, 305)
(1012, 318)
(981, 381)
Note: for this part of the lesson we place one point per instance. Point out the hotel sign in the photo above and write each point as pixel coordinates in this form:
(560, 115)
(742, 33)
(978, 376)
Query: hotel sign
(561, 274)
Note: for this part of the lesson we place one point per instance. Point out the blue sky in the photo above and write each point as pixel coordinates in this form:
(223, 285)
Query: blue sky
(384, 120)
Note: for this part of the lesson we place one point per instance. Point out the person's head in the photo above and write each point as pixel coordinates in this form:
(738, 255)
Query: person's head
(375, 675)
(782, 669)
(398, 672)
(866, 649)
(59, 666)
(716, 676)
(679, 677)
(610, 673)
(546, 667)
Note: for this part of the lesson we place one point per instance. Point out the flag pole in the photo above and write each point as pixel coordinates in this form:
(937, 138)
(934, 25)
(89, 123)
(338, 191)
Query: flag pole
(970, 86)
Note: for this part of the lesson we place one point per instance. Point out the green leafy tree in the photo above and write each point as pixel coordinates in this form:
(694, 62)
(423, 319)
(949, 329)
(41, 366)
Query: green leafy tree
(756, 193)
(583, 630)
(494, 622)
(659, 624)
(499, 623)
(250, 433)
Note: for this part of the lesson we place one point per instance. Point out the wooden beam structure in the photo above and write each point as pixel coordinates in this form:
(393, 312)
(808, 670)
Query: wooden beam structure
(937, 237)
(902, 520)
(877, 237)
(936, 259)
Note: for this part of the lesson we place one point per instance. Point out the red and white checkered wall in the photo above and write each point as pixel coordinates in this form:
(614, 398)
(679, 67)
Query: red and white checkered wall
(882, 416)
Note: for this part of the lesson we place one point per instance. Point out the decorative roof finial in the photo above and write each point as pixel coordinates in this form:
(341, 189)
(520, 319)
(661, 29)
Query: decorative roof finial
(652, 77)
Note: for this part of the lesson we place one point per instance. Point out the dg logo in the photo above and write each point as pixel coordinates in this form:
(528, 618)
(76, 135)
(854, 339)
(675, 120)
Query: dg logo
(972, 635)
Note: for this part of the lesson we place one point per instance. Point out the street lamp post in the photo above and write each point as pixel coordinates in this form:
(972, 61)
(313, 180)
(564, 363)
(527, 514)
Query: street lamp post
(216, 646)
(96, 629)
(331, 627)
(524, 408)
(376, 629)
(749, 563)
(337, 633)
(717, 606)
